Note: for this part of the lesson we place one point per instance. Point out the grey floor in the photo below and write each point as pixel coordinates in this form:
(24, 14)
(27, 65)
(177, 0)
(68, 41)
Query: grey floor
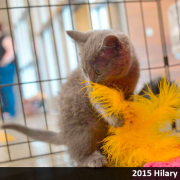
(55, 160)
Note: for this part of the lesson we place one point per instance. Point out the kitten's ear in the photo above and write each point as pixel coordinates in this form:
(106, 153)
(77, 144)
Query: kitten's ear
(111, 41)
(78, 36)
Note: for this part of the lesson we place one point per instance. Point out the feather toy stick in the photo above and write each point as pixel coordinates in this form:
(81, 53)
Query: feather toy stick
(140, 140)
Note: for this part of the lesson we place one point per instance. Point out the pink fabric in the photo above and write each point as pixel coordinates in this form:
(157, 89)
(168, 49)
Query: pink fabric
(172, 163)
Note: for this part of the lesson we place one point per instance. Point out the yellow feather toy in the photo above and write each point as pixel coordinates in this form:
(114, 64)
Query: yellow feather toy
(140, 140)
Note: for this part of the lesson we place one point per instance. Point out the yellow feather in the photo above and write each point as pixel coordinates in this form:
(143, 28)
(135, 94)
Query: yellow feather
(139, 140)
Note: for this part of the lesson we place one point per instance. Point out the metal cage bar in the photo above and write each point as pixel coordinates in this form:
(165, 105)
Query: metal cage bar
(29, 7)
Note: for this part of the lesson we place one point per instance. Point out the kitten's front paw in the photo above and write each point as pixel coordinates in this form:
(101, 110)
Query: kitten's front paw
(116, 122)
(113, 121)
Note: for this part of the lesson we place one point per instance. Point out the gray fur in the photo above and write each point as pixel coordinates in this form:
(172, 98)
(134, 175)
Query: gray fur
(154, 86)
(41, 135)
(111, 52)
(78, 36)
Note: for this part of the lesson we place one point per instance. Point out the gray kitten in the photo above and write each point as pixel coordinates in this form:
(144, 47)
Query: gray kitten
(108, 58)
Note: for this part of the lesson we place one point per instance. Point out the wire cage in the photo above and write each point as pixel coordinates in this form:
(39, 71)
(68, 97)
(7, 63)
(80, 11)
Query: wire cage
(45, 55)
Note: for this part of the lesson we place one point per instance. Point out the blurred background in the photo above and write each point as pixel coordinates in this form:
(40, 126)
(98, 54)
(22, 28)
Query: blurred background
(43, 56)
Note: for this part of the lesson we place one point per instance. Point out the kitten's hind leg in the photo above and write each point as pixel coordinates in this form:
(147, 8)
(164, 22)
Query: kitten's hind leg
(96, 159)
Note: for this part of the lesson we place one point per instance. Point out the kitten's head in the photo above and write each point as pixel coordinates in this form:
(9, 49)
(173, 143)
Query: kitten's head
(106, 55)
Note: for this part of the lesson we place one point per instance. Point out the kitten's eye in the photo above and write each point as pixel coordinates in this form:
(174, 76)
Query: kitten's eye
(98, 72)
